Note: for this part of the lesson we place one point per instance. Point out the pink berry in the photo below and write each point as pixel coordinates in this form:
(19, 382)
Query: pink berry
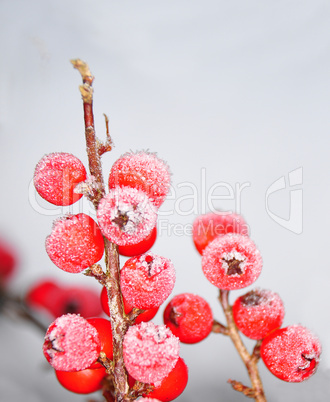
(292, 354)
(71, 343)
(258, 312)
(147, 280)
(150, 352)
(231, 262)
(56, 176)
(189, 317)
(207, 227)
(75, 243)
(143, 171)
(126, 216)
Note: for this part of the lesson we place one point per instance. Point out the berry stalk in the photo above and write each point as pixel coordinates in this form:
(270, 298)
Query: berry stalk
(250, 360)
(110, 279)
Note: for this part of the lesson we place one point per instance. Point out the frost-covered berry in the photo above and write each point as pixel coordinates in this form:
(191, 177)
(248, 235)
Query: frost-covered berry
(231, 262)
(173, 385)
(144, 171)
(149, 400)
(104, 330)
(71, 343)
(209, 226)
(141, 247)
(147, 280)
(150, 352)
(292, 354)
(126, 216)
(56, 176)
(258, 312)
(75, 243)
(147, 315)
(189, 317)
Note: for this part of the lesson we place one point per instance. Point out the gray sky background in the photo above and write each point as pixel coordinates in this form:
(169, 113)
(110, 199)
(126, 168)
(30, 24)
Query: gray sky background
(234, 96)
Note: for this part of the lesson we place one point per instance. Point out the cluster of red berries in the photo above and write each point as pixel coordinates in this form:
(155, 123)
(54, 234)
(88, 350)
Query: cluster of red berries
(230, 260)
(126, 216)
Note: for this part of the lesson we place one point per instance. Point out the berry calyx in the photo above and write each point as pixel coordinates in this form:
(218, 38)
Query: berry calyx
(81, 382)
(147, 315)
(126, 216)
(147, 280)
(56, 176)
(189, 317)
(71, 343)
(292, 354)
(209, 226)
(143, 171)
(150, 352)
(258, 312)
(231, 262)
(103, 328)
(141, 247)
(173, 385)
(75, 243)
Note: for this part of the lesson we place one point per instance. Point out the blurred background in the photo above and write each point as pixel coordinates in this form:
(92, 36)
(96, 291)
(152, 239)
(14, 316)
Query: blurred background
(234, 96)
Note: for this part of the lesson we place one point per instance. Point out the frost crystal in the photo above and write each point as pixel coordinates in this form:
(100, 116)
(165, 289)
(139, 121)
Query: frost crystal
(150, 352)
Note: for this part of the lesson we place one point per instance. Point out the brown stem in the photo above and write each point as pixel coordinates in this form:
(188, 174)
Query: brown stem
(219, 328)
(250, 361)
(110, 279)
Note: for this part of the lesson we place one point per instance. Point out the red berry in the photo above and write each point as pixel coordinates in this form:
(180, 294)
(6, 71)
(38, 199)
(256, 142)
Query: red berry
(150, 352)
(126, 216)
(292, 354)
(207, 227)
(56, 176)
(189, 317)
(147, 280)
(141, 247)
(144, 171)
(258, 312)
(104, 330)
(149, 400)
(71, 343)
(7, 261)
(75, 243)
(81, 382)
(147, 315)
(231, 262)
(173, 385)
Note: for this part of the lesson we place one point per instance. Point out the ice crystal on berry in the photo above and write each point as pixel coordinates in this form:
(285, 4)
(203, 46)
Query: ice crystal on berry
(231, 262)
(71, 343)
(56, 176)
(147, 280)
(144, 171)
(75, 243)
(150, 352)
(292, 353)
(126, 216)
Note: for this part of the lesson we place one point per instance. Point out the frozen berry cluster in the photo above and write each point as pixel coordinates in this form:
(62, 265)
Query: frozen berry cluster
(230, 261)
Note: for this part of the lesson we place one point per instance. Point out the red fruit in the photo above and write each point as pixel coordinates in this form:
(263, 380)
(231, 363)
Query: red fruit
(292, 354)
(104, 330)
(147, 280)
(7, 261)
(207, 227)
(75, 243)
(150, 352)
(126, 216)
(139, 248)
(56, 176)
(189, 317)
(173, 385)
(143, 171)
(71, 343)
(149, 400)
(231, 262)
(258, 312)
(147, 315)
(46, 295)
(81, 382)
